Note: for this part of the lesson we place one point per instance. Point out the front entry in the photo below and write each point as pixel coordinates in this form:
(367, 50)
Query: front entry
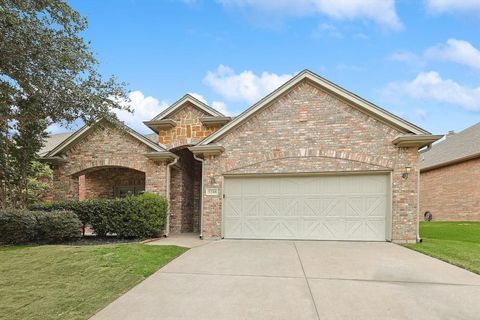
(328, 207)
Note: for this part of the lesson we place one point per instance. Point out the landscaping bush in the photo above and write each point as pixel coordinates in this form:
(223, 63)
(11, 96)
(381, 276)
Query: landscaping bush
(22, 226)
(57, 226)
(17, 226)
(73, 205)
(139, 216)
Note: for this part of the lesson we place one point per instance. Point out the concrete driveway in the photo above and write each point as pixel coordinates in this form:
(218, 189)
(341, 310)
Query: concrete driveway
(243, 279)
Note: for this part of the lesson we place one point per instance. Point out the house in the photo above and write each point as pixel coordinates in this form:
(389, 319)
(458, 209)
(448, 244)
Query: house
(308, 161)
(450, 177)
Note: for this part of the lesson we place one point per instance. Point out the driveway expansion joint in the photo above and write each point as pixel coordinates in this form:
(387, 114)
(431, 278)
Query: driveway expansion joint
(306, 280)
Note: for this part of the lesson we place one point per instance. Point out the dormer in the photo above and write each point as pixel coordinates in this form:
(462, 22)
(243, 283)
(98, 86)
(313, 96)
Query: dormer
(186, 122)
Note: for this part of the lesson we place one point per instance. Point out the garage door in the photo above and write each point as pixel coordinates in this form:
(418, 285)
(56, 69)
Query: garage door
(343, 207)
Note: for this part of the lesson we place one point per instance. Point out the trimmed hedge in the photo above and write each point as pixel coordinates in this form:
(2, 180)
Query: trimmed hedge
(22, 226)
(139, 216)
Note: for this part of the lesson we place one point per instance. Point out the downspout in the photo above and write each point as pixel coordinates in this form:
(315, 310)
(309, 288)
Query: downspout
(418, 206)
(418, 200)
(169, 168)
(201, 195)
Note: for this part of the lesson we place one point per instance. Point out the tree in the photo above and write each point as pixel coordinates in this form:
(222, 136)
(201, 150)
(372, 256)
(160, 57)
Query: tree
(48, 74)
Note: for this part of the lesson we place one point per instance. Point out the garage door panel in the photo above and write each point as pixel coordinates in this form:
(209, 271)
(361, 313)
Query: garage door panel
(317, 207)
(284, 228)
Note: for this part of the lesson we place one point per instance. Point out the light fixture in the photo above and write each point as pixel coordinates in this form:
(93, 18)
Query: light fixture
(406, 173)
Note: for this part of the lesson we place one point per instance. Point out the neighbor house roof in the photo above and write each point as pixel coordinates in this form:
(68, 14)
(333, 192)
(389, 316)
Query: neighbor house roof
(348, 96)
(80, 133)
(456, 147)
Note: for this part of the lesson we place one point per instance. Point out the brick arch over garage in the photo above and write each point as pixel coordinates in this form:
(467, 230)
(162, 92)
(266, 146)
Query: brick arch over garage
(309, 157)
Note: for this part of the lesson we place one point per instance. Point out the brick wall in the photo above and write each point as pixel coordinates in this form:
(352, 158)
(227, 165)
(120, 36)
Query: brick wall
(310, 130)
(104, 147)
(453, 192)
(189, 129)
(184, 202)
(101, 183)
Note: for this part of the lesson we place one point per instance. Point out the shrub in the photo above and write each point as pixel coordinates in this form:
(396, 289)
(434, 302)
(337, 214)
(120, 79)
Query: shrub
(139, 216)
(17, 226)
(27, 226)
(73, 205)
(57, 226)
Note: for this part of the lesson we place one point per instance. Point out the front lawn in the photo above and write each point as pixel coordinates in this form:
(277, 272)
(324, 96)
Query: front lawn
(73, 282)
(455, 242)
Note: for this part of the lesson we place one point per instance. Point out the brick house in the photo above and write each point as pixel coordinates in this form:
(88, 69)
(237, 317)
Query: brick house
(308, 161)
(450, 177)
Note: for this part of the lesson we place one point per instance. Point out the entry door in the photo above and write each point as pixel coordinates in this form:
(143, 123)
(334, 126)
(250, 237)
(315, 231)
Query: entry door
(328, 207)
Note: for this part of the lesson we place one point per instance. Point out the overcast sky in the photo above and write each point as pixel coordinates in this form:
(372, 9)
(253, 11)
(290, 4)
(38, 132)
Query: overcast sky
(417, 59)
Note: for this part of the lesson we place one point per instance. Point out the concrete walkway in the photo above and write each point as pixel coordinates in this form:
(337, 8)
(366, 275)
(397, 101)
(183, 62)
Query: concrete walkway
(246, 279)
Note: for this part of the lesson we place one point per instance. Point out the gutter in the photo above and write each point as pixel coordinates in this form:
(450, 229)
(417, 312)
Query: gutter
(169, 168)
(201, 195)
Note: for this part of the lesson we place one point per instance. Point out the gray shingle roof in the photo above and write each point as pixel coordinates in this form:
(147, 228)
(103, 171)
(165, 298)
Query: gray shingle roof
(52, 141)
(152, 136)
(453, 148)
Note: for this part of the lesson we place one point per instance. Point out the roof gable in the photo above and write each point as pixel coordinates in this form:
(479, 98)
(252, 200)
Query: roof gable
(306, 75)
(457, 147)
(184, 100)
(86, 129)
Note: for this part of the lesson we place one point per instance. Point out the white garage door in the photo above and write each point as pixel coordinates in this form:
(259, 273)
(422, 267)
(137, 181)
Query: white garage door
(342, 207)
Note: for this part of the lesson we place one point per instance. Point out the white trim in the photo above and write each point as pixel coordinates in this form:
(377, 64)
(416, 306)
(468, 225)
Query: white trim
(82, 131)
(187, 98)
(357, 101)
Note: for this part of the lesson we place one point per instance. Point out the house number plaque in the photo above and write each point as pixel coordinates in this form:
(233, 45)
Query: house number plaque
(212, 191)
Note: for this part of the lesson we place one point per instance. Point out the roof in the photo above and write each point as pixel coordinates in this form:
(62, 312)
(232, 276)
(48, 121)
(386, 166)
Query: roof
(52, 141)
(355, 100)
(188, 98)
(455, 148)
(80, 133)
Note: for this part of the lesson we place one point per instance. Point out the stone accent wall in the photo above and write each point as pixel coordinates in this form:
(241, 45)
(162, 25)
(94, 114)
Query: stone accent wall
(101, 183)
(310, 130)
(105, 147)
(189, 129)
(452, 193)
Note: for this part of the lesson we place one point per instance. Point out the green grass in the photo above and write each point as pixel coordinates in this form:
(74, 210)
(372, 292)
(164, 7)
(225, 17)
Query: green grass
(457, 243)
(73, 282)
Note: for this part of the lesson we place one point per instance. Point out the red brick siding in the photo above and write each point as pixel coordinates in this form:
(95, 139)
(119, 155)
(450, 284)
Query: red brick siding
(452, 193)
(106, 146)
(101, 183)
(310, 130)
(184, 206)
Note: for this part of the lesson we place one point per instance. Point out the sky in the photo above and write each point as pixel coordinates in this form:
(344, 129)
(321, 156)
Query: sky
(419, 59)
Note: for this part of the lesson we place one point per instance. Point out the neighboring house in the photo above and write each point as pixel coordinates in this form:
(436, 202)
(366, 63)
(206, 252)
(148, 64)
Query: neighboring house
(450, 177)
(309, 161)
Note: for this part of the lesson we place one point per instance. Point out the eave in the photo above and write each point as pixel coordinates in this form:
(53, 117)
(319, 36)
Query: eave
(419, 140)
(215, 121)
(207, 150)
(53, 160)
(156, 125)
(161, 156)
